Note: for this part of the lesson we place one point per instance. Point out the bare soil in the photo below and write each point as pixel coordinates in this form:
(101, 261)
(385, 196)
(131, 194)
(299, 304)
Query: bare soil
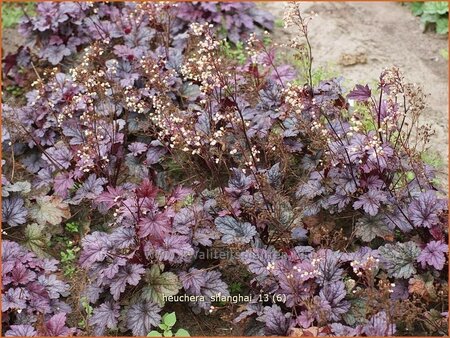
(360, 39)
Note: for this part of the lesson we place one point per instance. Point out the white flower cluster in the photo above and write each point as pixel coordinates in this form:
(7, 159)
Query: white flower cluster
(133, 101)
(204, 64)
(292, 97)
(367, 264)
(270, 266)
(307, 274)
(291, 14)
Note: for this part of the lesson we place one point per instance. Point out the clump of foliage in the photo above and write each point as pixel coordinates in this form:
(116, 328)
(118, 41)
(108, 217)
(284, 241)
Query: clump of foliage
(12, 13)
(158, 149)
(60, 30)
(432, 13)
(168, 321)
(32, 294)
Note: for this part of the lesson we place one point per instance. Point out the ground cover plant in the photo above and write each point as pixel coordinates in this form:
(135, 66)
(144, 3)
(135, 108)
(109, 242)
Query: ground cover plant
(432, 14)
(168, 156)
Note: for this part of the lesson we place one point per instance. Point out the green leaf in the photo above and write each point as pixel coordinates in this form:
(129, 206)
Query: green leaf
(189, 90)
(357, 312)
(13, 12)
(170, 319)
(72, 227)
(284, 212)
(442, 26)
(23, 187)
(154, 333)
(163, 326)
(435, 7)
(182, 333)
(416, 8)
(279, 23)
(49, 209)
(399, 258)
(36, 239)
(429, 18)
(168, 333)
(369, 227)
(160, 285)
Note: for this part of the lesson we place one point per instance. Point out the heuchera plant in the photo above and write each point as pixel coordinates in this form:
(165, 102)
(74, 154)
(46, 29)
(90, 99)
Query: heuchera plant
(166, 147)
(60, 30)
(32, 298)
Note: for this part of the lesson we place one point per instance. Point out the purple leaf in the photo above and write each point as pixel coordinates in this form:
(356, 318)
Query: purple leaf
(123, 237)
(105, 316)
(90, 189)
(370, 201)
(205, 236)
(13, 211)
(155, 225)
(21, 331)
(142, 316)
(344, 331)
(55, 54)
(312, 188)
(214, 284)
(274, 175)
(250, 309)
(360, 93)
(277, 323)
(155, 152)
(178, 194)
(137, 148)
(13, 253)
(379, 325)
(183, 220)
(205, 283)
(56, 326)
(33, 162)
(39, 300)
(92, 293)
(433, 255)
(110, 197)
(94, 248)
(234, 231)
(193, 280)
(147, 189)
(14, 299)
(424, 210)
(44, 178)
(125, 53)
(333, 295)
(329, 266)
(341, 200)
(112, 268)
(175, 249)
(62, 183)
(54, 286)
(59, 154)
(400, 291)
(21, 275)
(257, 260)
(129, 274)
(238, 181)
(283, 74)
